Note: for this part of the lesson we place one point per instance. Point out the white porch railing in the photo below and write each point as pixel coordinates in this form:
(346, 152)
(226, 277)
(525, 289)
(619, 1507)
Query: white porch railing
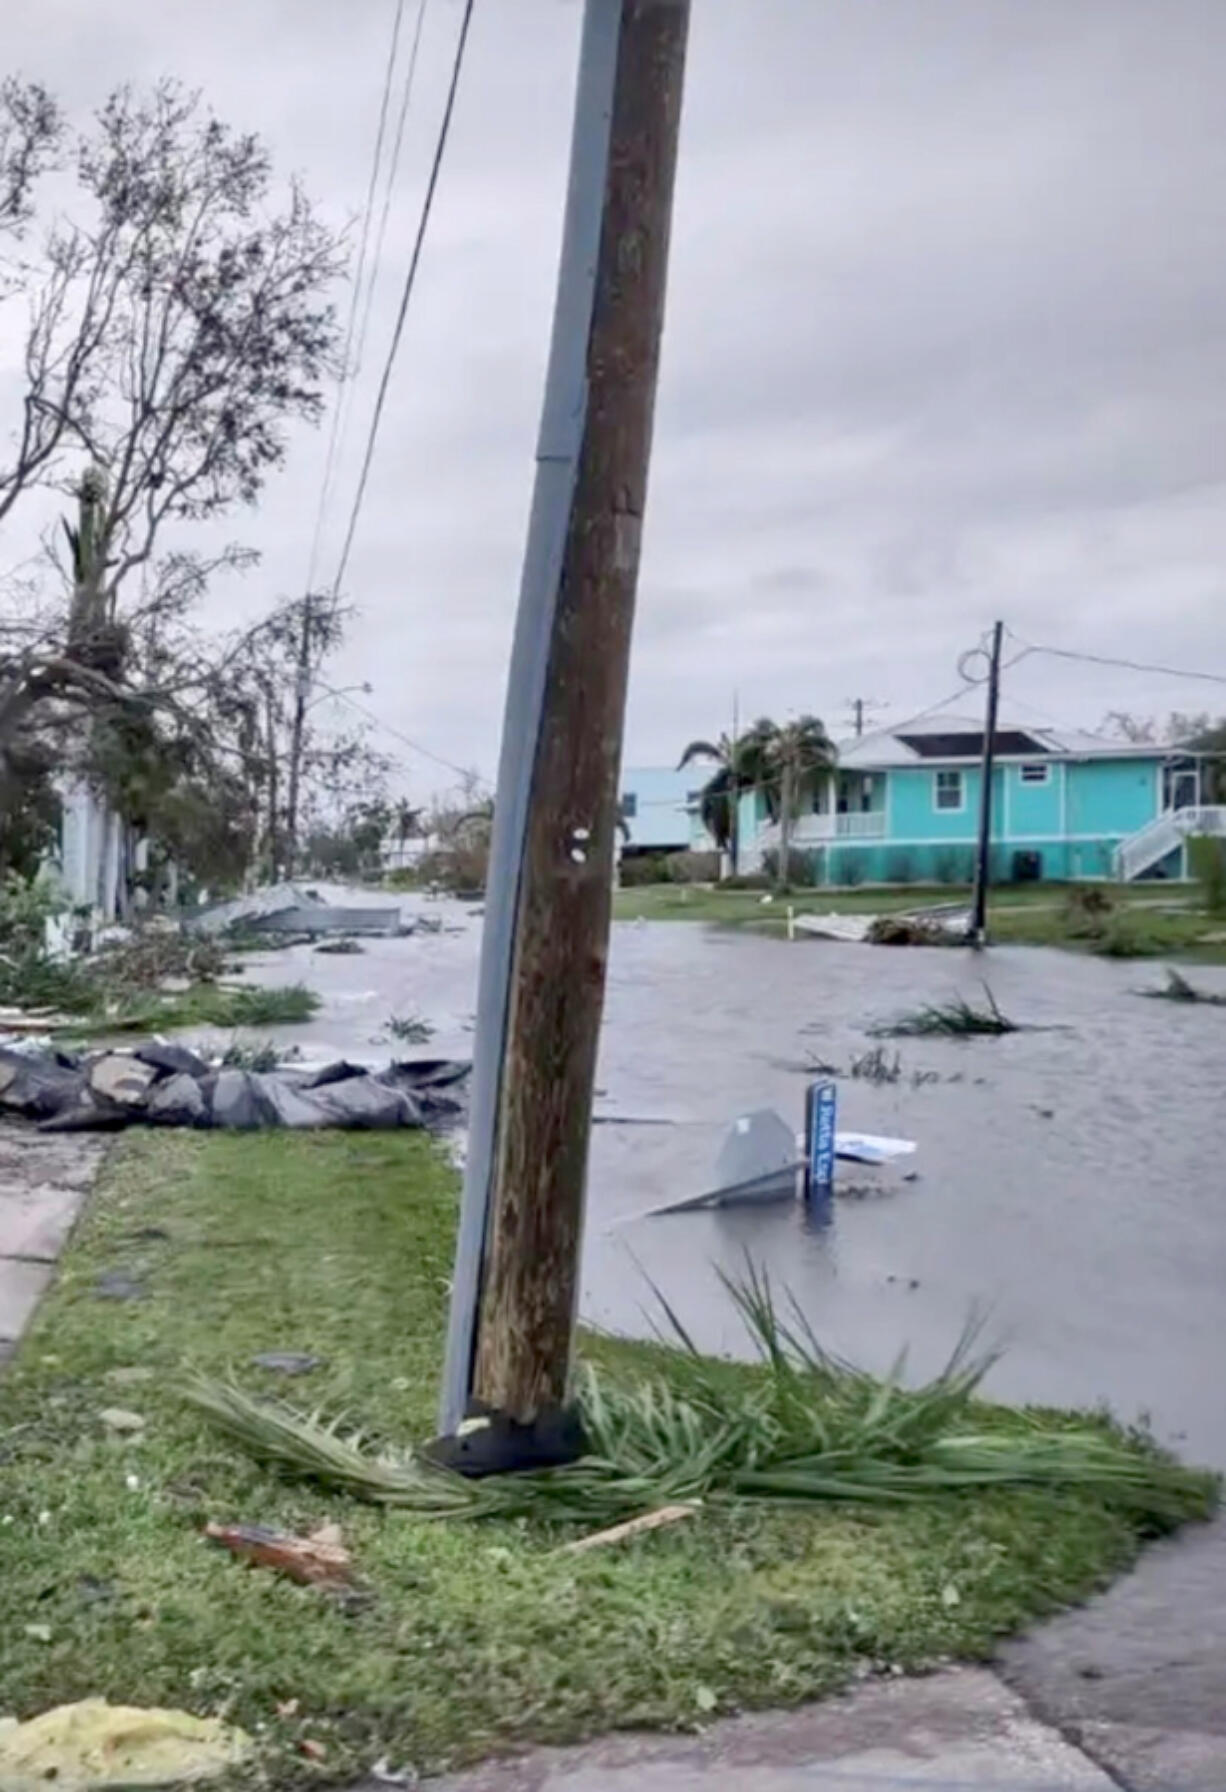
(819, 830)
(1142, 850)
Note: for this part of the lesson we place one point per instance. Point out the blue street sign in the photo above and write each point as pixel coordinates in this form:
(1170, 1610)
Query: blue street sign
(820, 1113)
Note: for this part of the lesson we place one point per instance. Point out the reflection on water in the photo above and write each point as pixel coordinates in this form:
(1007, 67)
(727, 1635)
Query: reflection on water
(1070, 1177)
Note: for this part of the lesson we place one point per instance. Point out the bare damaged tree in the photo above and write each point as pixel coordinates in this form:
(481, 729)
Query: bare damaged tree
(176, 332)
(177, 324)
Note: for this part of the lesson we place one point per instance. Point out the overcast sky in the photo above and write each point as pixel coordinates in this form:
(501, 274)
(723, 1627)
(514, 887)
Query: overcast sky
(946, 340)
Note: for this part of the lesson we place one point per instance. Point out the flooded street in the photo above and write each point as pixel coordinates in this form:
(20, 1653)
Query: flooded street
(1070, 1176)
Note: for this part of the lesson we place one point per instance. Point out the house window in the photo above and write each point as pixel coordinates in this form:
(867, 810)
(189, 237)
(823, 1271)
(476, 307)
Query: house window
(1035, 774)
(949, 790)
(630, 805)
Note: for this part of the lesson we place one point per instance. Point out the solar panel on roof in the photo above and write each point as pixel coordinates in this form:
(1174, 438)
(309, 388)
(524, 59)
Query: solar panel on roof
(970, 745)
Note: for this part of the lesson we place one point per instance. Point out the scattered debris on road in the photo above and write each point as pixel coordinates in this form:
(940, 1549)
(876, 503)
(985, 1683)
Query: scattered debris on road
(289, 909)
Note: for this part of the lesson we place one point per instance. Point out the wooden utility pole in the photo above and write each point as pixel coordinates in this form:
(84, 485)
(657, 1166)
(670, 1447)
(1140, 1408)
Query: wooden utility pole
(979, 906)
(558, 861)
(531, 1283)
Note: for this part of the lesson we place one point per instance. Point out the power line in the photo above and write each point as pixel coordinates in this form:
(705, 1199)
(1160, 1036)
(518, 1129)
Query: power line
(406, 295)
(372, 185)
(461, 771)
(1103, 659)
(389, 185)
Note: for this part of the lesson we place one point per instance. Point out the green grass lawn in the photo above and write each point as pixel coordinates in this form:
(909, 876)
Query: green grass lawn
(473, 1637)
(1154, 921)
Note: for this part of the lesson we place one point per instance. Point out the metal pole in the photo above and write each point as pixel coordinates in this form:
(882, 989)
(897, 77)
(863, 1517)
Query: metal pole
(979, 909)
(557, 458)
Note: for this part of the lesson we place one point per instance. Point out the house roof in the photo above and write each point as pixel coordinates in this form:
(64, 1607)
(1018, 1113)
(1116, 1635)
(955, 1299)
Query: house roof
(958, 740)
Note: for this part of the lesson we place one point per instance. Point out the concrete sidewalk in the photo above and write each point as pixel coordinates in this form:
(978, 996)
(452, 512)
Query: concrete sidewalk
(954, 1731)
(44, 1178)
(1129, 1691)
(1149, 1717)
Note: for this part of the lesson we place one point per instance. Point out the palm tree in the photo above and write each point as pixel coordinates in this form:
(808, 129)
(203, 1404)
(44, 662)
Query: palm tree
(793, 754)
(740, 765)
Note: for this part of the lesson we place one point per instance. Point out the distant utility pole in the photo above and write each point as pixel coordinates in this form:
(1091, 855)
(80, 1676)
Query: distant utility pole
(979, 906)
(734, 789)
(302, 685)
(548, 903)
(861, 708)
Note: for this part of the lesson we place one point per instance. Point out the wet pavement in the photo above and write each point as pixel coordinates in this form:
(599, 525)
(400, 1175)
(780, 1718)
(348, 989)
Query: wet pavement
(1069, 1176)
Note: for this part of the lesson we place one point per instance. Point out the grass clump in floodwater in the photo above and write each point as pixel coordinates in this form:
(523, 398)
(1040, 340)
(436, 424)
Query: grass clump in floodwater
(877, 1066)
(955, 1019)
(261, 1056)
(1178, 989)
(474, 1639)
(410, 1029)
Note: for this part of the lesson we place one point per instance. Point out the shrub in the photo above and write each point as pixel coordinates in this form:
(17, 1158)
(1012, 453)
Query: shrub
(1087, 912)
(459, 865)
(899, 866)
(641, 868)
(954, 865)
(850, 869)
(1207, 863)
(805, 867)
(692, 867)
(29, 977)
(1123, 935)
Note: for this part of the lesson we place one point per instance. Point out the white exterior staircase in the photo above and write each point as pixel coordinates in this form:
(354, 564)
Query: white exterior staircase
(1141, 851)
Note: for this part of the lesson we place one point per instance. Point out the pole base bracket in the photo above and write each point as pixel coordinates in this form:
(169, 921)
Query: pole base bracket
(493, 1443)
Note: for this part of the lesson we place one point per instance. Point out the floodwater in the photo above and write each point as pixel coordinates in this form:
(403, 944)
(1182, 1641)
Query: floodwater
(1069, 1177)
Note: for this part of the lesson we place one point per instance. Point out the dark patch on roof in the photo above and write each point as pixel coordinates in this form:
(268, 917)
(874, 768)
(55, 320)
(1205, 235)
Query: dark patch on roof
(1011, 741)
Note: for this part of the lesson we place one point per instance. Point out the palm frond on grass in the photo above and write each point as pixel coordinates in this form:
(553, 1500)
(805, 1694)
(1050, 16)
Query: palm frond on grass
(957, 1019)
(806, 1427)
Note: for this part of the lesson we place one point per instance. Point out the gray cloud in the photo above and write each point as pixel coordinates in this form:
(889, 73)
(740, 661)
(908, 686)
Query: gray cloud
(946, 339)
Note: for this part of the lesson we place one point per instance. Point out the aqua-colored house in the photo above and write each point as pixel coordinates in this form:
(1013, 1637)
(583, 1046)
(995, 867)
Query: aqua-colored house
(902, 806)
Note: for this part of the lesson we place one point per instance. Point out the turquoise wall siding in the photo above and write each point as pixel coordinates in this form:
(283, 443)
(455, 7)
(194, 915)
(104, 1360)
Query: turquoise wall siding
(911, 809)
(1112, 796)
(1031, 810)
(1108, 797)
